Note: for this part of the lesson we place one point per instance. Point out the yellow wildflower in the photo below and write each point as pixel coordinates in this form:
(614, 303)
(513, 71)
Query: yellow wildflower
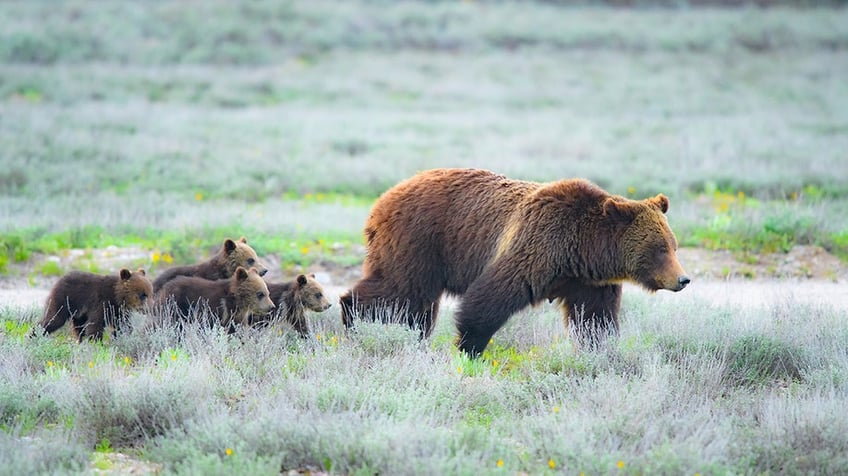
(552, 463)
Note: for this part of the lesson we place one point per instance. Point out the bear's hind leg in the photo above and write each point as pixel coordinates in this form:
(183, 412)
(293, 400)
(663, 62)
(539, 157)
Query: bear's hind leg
(366, 300)
(54, 318)
(423, 317)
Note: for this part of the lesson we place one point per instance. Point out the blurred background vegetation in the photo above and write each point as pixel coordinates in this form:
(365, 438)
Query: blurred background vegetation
(172, 125)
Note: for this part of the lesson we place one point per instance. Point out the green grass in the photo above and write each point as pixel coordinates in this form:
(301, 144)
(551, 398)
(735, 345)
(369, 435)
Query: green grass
(688, 387)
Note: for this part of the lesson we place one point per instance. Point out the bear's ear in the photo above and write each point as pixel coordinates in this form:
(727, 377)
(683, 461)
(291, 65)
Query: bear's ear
(140, 271)
(619, 211)
(229, 245)
(241, 273)
(243, 240)
(301, 280)
(312, 275)
(659, 202)
(125, 274)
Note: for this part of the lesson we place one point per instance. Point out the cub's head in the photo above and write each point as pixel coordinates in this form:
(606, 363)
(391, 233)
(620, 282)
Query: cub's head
(311, 294)
(251, 291)
(648, 248)
(133, 290)
(239, 253)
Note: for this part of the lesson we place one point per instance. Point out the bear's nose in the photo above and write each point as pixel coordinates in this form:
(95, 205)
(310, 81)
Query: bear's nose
(262, 273)
(683, 281)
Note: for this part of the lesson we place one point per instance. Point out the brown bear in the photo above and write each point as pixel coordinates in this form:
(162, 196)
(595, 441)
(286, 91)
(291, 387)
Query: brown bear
(91, 302)
(505, 244)
(221, 266)
(229, 301)
(292, 299)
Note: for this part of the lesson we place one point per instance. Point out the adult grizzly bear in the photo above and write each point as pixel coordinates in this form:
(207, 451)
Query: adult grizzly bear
(91, 302)
(505, 244)
(221, 266)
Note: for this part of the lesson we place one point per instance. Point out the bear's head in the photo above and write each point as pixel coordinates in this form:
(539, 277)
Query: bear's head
(133, 290)
(251, 291)
(239, 253)
(648, 248)
(311, 294)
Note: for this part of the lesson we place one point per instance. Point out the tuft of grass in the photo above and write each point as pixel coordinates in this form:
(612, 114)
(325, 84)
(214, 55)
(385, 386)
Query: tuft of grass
(757, 360)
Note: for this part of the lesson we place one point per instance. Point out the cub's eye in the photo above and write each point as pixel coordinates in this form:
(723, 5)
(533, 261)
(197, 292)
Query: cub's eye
(318, 296)
(250, 261)
(142, 296)
(260, 295)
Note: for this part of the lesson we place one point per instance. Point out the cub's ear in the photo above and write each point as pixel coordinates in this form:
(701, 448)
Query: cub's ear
(312, 275)
(301, 280)
(659, 202)
(229, 245)
(241, 273)
(620, 211)
(125, 274)
(140, 271)
(243, 240)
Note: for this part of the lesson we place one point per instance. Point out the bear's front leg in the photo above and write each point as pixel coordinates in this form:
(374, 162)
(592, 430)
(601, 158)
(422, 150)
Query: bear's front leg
(590, 313)
(487, 304)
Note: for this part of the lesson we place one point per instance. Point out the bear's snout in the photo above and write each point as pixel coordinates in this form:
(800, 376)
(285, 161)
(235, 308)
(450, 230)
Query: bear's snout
(682, 281)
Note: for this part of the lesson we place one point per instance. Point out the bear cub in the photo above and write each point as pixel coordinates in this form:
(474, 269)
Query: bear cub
(91, 302)
(221, 266)
(229, 301)
(292, 300)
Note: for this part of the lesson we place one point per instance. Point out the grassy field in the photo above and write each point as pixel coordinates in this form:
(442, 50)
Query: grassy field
(690, 387)
(168, 126)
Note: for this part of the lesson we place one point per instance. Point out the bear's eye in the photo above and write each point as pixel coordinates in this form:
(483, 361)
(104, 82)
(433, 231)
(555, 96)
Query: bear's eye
(250, 261)
(260, 295)
(142, 296)
(317, 295)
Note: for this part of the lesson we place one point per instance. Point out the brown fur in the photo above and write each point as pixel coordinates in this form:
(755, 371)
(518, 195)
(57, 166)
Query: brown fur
(292, 300)
(505, 244)
(221, 266)
(91, 302)
(230, 301)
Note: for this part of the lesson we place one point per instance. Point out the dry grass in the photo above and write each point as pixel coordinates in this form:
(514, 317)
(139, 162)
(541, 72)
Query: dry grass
(688, 387)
